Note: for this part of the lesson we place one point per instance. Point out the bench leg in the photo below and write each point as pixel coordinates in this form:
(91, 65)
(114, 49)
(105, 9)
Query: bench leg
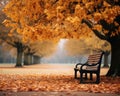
(75, 76)
(98, 78)
(91, 77)
(81, 77)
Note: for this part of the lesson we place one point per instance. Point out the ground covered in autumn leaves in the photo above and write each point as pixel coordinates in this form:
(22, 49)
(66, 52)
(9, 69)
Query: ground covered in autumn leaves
(52, 78)
(18, 83)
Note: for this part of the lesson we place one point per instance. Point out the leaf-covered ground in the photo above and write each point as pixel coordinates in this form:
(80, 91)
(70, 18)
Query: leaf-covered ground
(37, 82)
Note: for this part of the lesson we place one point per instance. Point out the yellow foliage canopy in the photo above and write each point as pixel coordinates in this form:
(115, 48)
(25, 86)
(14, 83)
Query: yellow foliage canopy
(48, 19)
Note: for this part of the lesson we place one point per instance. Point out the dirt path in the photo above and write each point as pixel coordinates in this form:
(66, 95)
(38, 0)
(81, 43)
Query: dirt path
(63, 69)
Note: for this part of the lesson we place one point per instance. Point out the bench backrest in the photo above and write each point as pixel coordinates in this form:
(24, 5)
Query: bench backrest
(95, 59)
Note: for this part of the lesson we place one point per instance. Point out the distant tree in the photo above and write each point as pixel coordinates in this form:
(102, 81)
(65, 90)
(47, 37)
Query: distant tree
(37, 50)
(36, 59)
(106, 63)
(14, 42)
(107, 50)
(28, 53)
(85, 46)
(5, 53)
(77, 47)
(44, 48)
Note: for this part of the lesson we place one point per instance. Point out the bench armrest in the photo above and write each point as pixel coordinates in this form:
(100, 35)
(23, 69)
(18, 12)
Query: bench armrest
(76, 66)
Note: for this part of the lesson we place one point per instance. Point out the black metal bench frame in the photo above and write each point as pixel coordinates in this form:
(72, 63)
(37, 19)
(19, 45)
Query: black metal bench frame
(82, 71)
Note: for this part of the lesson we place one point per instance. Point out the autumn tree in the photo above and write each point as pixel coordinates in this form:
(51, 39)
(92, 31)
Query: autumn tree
(77, 47)
(5, 37)
(38, 50)
(13, 40)
(54, 19)
(106, 25)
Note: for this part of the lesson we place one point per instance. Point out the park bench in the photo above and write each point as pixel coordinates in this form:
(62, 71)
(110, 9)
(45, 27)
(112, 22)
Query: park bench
(92, 66)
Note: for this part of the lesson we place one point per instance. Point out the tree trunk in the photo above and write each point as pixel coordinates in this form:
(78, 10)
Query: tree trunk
(19, 56)
(105, 60)
(27, 59)
(36, 59)
(115, 59)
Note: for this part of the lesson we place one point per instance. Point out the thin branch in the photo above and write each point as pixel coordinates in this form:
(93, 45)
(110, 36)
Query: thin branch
(4, 38)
